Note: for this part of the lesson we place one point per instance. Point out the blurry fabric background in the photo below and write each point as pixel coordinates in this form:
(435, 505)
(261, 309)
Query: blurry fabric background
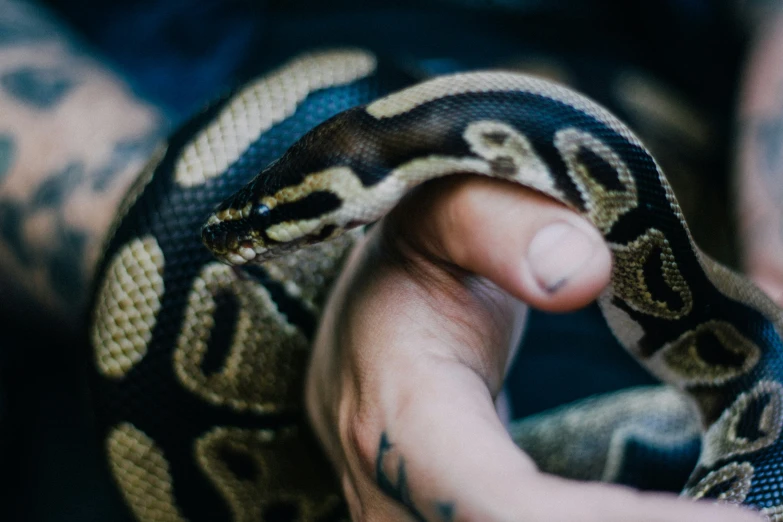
(180, 53)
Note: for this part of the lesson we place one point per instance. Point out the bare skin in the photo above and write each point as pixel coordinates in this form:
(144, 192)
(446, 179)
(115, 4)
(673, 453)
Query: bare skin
(72, 139)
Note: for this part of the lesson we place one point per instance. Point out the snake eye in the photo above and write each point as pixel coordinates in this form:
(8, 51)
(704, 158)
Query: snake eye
(260, 215)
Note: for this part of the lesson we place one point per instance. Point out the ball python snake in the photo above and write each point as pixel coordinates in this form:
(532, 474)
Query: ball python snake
(199, 365)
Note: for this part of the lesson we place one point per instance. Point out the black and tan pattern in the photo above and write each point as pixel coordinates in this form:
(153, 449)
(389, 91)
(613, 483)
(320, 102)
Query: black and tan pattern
(752, 423)
(335, 151)
(254, 481)
(265, 360)
(712, 353)
(731, 483)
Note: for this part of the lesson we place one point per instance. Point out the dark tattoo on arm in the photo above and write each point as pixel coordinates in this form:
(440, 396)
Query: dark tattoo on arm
(53, 207)
(38, 87)
(399, 490)
(62, 260)
(7, 151)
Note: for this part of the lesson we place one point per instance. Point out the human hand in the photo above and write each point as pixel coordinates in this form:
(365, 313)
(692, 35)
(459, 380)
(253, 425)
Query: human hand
(414, 347)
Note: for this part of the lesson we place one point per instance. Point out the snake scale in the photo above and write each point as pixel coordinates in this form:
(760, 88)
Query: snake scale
(199, 365)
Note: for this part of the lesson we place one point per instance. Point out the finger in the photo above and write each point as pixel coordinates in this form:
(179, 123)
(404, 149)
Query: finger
(602, 502)
(531, 246)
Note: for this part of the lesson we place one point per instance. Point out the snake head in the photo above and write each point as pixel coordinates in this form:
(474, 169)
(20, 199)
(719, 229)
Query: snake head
(235, 231)
(235, 235)
(262, 221)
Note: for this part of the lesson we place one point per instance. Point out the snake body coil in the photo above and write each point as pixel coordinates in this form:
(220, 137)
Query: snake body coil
(690, 321)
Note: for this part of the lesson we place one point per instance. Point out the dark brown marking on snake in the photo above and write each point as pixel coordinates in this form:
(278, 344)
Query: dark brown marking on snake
(713, 352)
(600, 170)
(325, 233)
(219, 345)
(239, 463)
(712, 401)
(311, 206)
(724, 487)
(749, 424)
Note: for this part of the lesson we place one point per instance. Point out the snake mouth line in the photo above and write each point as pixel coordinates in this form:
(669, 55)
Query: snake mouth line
(229, 242)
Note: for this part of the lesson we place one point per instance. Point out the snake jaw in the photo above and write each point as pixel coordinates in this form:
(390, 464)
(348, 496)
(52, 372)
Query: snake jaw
(233, 241)
(236, 232)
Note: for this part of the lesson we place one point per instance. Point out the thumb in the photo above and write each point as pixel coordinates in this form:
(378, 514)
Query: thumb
(531, 246)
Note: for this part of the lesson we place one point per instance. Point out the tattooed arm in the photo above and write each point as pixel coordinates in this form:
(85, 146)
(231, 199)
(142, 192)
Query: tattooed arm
(72, 138)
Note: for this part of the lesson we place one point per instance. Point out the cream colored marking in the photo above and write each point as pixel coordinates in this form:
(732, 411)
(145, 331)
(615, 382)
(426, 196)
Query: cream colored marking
(625, 328)
(262, 104)
(292, 230)
(679, 361)
(628, 282)
(267, 355)
(127, 307)
(142, 473)
(528, 167)
(288, 469)
(742, 472)
(603, 206)
(722, 440)
(449, 85)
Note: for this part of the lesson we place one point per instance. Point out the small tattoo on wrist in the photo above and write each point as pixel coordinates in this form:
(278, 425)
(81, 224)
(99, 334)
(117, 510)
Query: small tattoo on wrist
(399, 489)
